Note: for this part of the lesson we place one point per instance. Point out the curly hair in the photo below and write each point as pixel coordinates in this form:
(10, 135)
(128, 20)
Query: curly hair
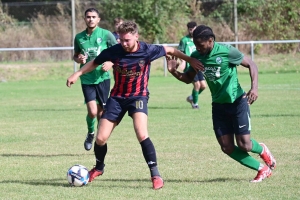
(128, 27)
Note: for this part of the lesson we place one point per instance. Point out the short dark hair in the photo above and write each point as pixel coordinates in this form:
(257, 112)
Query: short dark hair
(203, 32)
(92, 10)
(128, 27)
(191, 24)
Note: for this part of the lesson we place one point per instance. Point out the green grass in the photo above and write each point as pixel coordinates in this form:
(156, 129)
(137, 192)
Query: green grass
(42, 129)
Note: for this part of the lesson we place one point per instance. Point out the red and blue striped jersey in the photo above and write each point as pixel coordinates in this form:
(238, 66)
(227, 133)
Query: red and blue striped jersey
(131, 70)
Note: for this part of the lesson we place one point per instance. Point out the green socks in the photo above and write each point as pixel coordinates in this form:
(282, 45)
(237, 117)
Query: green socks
(256, 148)
(195, 96)
(244, 158)
(90, 123)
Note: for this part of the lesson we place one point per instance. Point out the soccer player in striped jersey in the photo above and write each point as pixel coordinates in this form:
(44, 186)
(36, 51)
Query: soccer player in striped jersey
(230, 103)
(132, 59)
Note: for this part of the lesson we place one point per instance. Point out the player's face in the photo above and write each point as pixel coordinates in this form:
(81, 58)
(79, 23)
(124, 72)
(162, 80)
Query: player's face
(191, 30)
(129, 41)
(91, 19)
(117, 24)
(204, 47)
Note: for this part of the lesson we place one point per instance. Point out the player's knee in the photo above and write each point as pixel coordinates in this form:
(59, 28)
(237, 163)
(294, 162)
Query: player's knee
(202, 87)
(244, 144)
(100, 141)
(227, 149)
(92, 114)
(245, 147)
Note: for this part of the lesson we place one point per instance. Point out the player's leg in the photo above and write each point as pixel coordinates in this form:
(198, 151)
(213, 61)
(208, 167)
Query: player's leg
(138, 111)
(89, 92)
(223, 120)
(242, 126)
(109, 120)
(199, 85)
(102, 93)
(202, 82)
(100, 147)
(193, 98)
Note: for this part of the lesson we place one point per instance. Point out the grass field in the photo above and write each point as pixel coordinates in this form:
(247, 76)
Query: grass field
(42, 129)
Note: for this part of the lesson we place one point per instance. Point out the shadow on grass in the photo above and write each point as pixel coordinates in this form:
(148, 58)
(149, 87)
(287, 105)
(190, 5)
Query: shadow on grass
(166, 108)
(50, 109)
(63, 182)
(40, 155)
(50, 182)
(277, 115)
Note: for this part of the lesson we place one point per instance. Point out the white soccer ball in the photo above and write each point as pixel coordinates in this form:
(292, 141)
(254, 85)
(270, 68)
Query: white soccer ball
(78, 175)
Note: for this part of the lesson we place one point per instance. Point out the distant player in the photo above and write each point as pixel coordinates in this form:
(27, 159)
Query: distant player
(117, 22)
(96, 84)
(230, 104)
(132, 59)
(187, 46)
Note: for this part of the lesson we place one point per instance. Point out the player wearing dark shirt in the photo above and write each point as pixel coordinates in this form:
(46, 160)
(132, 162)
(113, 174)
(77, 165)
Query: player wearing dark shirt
(131, 59)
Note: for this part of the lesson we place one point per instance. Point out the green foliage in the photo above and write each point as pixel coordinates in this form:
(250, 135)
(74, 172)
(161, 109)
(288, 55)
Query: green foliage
(153, 16)
(264, 19)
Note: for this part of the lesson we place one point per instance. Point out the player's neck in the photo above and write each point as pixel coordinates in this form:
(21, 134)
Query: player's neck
(90, 30)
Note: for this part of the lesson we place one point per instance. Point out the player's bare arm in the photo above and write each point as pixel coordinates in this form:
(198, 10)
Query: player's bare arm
(196, 64)
(172, 65)
(90, 66)
(253, 92)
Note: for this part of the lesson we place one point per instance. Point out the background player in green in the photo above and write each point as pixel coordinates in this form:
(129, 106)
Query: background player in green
(187, 46)
(96, 84)
(230, 104)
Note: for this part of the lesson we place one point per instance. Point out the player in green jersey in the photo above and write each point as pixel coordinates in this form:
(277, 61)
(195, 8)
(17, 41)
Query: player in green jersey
(230, 104)
(187, 46)
(96, 84)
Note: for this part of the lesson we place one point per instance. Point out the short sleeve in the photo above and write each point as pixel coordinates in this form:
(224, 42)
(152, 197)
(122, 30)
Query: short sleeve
(102, 57)
(235, 56)
(156, 51)
(181, 46)
(111, 40)
(76, 46)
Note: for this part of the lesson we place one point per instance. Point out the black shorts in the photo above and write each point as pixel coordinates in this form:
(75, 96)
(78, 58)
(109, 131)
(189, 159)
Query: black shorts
(98, 92)
(199, 77)
(116, 107)
(231, 118)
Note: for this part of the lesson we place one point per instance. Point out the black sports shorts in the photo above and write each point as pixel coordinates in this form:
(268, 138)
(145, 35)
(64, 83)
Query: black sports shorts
(231, 118)
(98, 92)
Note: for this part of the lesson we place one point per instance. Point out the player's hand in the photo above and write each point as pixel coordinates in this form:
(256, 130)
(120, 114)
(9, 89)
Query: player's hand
(196, 64)
(72, 79)
(252, 96)
(82, 58)
(172, 63)
(107, 66)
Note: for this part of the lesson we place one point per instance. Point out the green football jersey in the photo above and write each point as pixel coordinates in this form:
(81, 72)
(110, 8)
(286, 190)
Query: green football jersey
(221, 73)
(187, 46)
(92, 45)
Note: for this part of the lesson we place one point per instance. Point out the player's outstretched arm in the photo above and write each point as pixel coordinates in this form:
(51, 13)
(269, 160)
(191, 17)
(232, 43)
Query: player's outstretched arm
(172, 65)
(196, 64)
(253, 71)
(90, 66)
